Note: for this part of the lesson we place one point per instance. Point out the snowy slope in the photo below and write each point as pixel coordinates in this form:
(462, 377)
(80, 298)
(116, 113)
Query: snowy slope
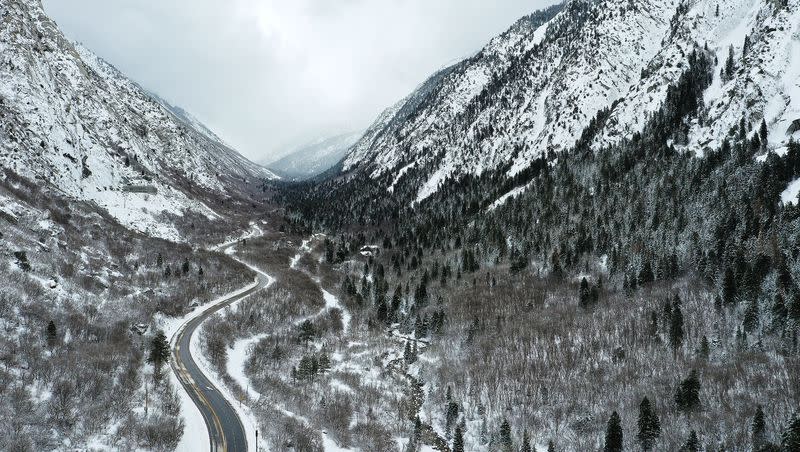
(316, 157)
(71, 119)
(533, 90)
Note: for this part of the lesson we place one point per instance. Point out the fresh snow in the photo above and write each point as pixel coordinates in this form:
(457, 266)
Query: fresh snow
(511, 194)
(195, 433)
(789, 196)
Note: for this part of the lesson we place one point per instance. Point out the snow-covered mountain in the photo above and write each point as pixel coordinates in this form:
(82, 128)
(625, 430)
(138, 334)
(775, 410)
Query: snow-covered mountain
(316, 157)
(533, 90)
(70, 119)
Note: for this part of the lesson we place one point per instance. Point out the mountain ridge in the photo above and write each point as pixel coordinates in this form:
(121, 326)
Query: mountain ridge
(72, 119)
(533, 90)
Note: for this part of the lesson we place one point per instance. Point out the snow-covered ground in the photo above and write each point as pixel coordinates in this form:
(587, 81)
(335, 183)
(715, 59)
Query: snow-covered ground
(789, 196)
(195, 433)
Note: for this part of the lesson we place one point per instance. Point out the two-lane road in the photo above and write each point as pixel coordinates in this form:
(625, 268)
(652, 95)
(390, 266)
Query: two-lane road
(225, 429)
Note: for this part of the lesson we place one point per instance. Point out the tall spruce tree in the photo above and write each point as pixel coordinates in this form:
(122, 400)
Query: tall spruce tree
(613, 434)
(692, 444)
(649, 425)
(676, 325)
(759, 430)
(458, 440)
(51, 334)
(506, 442)
(159, 351)
(687, 396)
(790, 439)
(526, 442)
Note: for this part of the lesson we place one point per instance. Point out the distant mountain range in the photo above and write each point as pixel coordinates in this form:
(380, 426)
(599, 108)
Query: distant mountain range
(314, 158)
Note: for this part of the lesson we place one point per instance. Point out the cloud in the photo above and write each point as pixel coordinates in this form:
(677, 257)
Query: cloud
(266, 74)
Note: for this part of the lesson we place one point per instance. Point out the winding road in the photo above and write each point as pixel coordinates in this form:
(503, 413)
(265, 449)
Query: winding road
(225, 430)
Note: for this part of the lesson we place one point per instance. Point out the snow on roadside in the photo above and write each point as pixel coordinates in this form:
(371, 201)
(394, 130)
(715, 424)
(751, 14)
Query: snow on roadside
(195, 433)
(249, 420)
(237, 357)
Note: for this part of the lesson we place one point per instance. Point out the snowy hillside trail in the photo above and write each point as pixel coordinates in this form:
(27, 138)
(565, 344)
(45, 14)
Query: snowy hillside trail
(226, 428)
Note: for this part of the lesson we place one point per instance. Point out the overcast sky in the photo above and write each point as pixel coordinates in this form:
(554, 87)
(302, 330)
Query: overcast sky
(270, 74)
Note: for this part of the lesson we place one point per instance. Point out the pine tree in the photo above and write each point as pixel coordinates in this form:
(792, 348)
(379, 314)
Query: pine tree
(692, 444)
(583, 293)
(750, 322)
(687, 396)
(451, 415)
(729, 63)
(307, 331)
(458, 440)
(676, 326)
(779, 312)
(790, 439)
(646, 274)
(649, 425)
(324, 362)
(729, 287)
(551, 447)
(51, 334)
(186, 267)
(506, 443)
(526, 441)
(159, 351)
(759, 429)
(794, 308)
(613, 434)
(705, 349)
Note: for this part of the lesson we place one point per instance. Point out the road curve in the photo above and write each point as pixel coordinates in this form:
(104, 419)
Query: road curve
(225, 430)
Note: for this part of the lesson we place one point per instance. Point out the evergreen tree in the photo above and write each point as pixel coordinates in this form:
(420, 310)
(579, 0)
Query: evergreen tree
(692, 444)
(506, 443)
(159, 351)
(526, 442)
(687, 396)
(790, 439)
(729, 287)
(750, 322)
(186, 267)
(649, 425)
(646, 274)
(584, 294)
(458, 440)
(51, 334)
(729, 63)
(551, 447)
(794, 308)
(759, 429)
(613, 434)
(676, 326)
(307, 331)
(324, 362)
(779, 312)
(705, 349)
(451, 415)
